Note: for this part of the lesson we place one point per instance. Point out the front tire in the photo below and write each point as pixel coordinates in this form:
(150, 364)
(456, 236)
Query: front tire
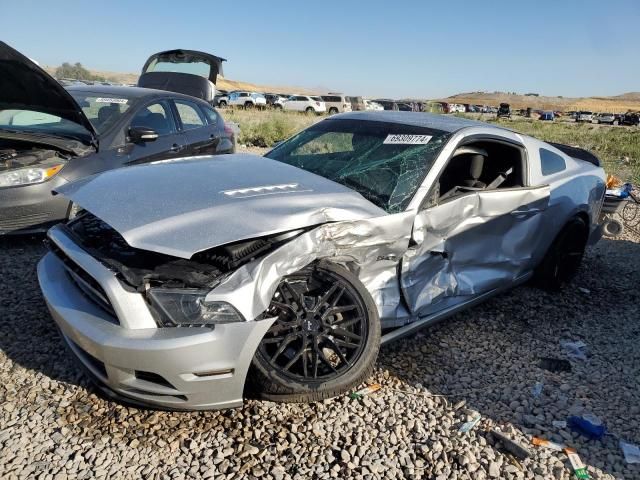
(325, 340)
(310, 110)
(563, 259)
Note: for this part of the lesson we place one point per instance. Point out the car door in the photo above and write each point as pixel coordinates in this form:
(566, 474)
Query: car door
(201, 136)
(471, 244)
(158, 116)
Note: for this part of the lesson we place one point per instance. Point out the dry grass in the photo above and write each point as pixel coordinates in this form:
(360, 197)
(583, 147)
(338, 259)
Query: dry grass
(617, 147)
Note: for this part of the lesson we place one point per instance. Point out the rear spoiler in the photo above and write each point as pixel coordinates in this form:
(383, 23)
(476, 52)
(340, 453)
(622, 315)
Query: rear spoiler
(577, 153)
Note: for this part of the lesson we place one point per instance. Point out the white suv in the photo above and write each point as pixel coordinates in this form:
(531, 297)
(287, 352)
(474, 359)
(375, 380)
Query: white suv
(247, 100)
(304, 103)
(336, 103)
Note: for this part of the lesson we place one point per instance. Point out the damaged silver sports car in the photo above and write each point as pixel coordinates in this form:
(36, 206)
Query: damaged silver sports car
(183, 283)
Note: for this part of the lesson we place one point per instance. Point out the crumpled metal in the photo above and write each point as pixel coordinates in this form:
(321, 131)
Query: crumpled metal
(369, 248)
(492, 241)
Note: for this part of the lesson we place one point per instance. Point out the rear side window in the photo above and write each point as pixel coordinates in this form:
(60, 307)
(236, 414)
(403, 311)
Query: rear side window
(189, 115)
(551, 162)
(211, 115)
(331, 98)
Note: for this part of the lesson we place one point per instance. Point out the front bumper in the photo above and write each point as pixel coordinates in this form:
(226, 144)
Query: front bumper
(31, 208)
(174, 368)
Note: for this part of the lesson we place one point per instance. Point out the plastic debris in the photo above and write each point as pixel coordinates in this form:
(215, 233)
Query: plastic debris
(588, 425)
(579, 468)
(467, 426)
(365, 391)
(584, 290)
(459, 405)
(541, 442)
(559, 424)
(576, 350)
(622, 191)
(536, 390)
(555, 364)
(631, 452)
(511, 446)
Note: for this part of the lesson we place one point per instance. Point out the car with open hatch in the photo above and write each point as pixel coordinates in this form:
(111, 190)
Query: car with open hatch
(181, 284)
(51, 135)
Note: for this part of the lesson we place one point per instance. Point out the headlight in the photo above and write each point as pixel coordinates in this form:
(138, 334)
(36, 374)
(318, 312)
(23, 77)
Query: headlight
(187, 307)
(28, 176)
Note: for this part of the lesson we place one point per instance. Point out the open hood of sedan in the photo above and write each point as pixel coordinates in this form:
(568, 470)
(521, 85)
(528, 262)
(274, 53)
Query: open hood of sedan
(26, 86)
(183, 207)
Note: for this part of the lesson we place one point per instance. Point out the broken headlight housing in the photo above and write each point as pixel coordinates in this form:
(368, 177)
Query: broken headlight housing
(186, 307)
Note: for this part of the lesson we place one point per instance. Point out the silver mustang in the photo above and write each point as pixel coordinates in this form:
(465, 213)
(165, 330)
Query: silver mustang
(183, 281)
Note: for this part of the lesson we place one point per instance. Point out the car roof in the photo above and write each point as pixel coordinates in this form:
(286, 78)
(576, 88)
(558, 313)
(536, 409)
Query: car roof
(129, 92)
(445, 123)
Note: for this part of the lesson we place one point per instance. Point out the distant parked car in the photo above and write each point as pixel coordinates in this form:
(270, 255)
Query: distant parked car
(457, 108)
(221, 98)
(630, 118)
(247, 100)
(305, 103)
(371, 105)
(50, 136)
(584, 116)
(336, 103)
(609, 118)
(357, 103)
(275, 100)
(547, 116)
(504, 111)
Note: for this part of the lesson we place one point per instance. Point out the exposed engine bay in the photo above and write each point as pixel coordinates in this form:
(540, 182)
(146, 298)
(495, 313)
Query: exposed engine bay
(142, 269)
(16, 154)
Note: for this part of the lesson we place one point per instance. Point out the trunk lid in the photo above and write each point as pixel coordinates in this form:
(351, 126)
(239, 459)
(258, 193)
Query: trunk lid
(183, 207)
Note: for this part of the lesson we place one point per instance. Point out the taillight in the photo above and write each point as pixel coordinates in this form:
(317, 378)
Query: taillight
(228, 130)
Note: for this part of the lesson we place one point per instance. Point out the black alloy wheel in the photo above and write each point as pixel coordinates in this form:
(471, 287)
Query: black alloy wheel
(324, 340)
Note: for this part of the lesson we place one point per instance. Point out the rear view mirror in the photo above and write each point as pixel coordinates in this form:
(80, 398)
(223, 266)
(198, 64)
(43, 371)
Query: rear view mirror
(142, 134)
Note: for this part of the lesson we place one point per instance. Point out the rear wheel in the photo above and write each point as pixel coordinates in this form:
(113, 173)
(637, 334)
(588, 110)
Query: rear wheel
(222, 104)
(325, 340)
(563, 259)
(333, 111)
(310, 110)
(248, 105)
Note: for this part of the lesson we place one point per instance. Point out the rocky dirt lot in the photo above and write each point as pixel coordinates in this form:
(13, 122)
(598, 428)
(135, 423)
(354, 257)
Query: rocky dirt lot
(54, 425)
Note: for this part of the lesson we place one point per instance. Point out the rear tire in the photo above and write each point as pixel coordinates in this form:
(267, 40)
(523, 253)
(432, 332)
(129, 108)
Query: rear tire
(310, 110)
(248, 105)
(612, 228)
(325, 340)
(333, 111)
(222, 104)
(563, 259)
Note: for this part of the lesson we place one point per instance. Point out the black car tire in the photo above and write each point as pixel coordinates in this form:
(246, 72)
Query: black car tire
(310, 110)
(222, 104)
(333, 111)
(325, 340)
(563, 259)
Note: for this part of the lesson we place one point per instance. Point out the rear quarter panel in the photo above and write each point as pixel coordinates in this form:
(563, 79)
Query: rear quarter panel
(576, 190)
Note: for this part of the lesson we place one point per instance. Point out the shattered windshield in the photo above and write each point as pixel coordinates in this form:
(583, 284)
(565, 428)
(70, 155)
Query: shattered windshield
(384, 162)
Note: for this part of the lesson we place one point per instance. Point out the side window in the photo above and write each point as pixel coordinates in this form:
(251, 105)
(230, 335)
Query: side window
(479, 166)
(211, 114)
(156, 116)
(551, 162)
(189, 115)
(244, 94)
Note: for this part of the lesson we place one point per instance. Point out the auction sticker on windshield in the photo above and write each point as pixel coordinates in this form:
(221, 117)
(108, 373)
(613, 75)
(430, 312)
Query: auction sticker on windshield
(407, 139)
(111, 100)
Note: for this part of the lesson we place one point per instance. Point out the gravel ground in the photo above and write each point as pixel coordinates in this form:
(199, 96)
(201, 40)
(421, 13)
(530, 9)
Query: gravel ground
(54, 425)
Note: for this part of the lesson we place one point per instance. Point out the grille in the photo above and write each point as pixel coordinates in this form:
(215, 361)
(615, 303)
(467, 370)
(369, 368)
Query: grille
(24, 221)
(86, 283)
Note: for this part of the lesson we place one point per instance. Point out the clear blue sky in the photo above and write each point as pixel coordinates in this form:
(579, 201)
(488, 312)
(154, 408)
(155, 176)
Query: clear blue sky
(404, 48)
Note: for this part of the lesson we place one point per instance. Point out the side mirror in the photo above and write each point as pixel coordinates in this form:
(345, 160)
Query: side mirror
(142, 134)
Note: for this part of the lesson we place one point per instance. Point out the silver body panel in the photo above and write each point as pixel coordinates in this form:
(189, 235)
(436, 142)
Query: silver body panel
(419, 265)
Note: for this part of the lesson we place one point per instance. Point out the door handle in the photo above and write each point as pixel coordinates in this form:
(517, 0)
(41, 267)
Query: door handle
(175, 147)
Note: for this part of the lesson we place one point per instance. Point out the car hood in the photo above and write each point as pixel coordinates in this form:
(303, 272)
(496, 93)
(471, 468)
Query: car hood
(186, 206)
(26, 86)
